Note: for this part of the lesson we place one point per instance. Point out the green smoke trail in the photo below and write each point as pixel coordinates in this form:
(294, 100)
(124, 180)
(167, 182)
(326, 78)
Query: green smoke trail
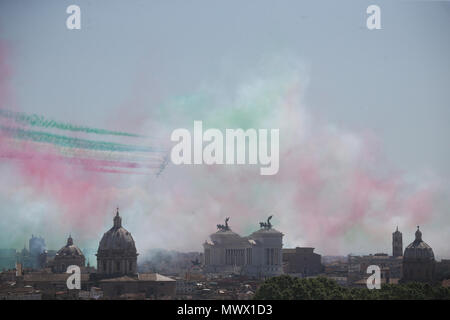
(64, 141)
(245, 111)
(39, 121)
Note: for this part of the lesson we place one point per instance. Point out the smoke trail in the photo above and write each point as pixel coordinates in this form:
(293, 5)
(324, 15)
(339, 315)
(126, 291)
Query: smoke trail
(334, 190)
(39, 121)
(78, 161)
(65, 141)
(115, 171)
(44, 191)
(135, 156)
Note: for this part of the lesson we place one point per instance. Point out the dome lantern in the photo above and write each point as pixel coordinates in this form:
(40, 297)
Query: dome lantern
(69, 241)
(117, 220)
(418, 235)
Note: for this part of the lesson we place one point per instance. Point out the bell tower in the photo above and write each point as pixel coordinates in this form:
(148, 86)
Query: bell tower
(397, 244)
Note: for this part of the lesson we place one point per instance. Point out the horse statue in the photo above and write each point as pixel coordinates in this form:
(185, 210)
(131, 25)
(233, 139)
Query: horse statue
(224, 227)
(266, 225)
(269, 225)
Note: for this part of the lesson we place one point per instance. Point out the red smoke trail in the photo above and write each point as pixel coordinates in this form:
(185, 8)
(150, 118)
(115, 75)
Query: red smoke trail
(85, 162)
(83, 198)
(333, 197)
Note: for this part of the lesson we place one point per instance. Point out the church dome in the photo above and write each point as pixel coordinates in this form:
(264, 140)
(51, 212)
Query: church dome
(418, 250)
(117, 239)
(69, 249)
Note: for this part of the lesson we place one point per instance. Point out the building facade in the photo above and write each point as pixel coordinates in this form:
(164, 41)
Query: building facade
(389, 265)
(116, 277)
(68, 255)
(418, 261)
(117, 274)
(35, 257)
(257, 255)
(117, 255)
(303, 262)
(149, 285)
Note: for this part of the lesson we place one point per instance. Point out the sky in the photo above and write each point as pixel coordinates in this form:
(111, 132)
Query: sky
(363, 117)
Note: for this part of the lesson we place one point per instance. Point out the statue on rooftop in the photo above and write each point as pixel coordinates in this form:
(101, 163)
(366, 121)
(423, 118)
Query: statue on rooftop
(224, 227)
(266, 225)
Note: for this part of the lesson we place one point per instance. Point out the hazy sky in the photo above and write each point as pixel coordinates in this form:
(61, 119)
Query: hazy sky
(134, 56)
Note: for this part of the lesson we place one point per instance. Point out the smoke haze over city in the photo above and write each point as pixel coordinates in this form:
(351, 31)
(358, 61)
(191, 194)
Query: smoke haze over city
(363, 140)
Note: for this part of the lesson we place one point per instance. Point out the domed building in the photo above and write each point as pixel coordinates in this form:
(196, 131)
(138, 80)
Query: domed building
(117, 255)
(418, 260)
(68, 255)
(116, 275)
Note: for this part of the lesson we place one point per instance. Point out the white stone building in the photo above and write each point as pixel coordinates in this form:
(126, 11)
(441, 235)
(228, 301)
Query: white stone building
(258, 255)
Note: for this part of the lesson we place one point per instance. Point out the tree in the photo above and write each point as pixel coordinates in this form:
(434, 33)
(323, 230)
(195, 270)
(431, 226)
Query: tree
(290, 288)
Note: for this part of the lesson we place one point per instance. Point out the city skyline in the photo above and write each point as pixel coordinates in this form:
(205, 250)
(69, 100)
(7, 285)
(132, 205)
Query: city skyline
(86, 118)
(91, 252)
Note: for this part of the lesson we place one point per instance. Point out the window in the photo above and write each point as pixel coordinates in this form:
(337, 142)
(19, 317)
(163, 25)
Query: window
(118, 266)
